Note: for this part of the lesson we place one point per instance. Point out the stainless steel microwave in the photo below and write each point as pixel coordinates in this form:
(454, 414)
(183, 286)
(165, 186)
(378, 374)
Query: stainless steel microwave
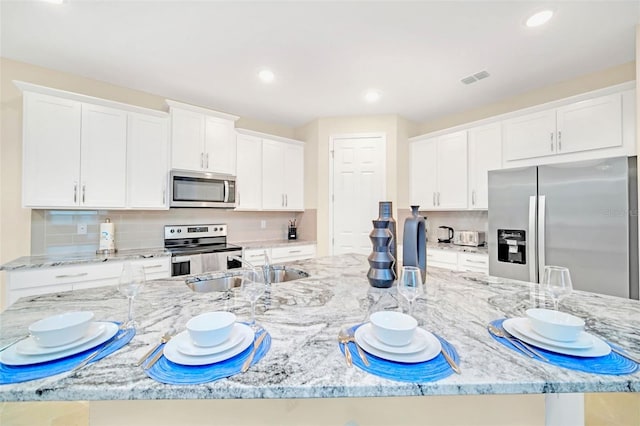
(202, 189)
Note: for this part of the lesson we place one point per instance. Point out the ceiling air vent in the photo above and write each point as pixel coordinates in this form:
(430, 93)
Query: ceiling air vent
(475, 77)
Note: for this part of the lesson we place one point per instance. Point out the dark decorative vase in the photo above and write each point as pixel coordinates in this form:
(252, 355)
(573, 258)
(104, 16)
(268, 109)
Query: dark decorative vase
(385, 211)
(381, 262)
(414, 243)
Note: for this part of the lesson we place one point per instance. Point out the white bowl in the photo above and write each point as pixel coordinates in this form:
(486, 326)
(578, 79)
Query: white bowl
(393, 328)
(61, 329)
(555, 325)
(211, 328)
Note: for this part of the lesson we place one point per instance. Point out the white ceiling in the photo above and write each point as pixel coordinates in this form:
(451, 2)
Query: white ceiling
(324, 54)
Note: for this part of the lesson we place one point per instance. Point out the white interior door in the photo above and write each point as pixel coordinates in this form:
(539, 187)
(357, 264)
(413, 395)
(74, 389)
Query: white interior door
(358, 184)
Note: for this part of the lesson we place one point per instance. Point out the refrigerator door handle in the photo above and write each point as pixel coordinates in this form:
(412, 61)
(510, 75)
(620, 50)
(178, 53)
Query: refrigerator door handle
(541, 232)
(531, 241)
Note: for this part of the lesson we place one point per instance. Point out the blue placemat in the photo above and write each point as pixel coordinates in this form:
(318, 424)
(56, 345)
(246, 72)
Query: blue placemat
(165, 371)
(428, 371)
(16, 374)
(612, 364)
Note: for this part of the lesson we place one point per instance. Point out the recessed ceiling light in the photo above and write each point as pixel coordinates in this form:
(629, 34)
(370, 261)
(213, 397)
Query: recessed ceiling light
(539, 18)
(266, 75)
(371, 95)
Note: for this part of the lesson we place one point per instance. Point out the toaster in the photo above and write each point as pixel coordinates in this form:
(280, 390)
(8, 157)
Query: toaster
(469, 238)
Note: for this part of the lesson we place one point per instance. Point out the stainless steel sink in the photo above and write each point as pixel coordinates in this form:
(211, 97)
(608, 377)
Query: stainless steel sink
(278, 274)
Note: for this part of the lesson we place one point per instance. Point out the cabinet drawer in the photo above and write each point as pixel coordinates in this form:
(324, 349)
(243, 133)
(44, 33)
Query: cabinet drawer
(156, 268)
(63, 275)
(255, 256)
(442, 256)
(283, 254)
(472, 262)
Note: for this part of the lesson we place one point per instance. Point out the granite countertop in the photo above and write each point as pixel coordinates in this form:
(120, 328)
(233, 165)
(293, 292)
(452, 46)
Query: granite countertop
(304, 318)
(453, 247)
(270, 243)
(46, 261)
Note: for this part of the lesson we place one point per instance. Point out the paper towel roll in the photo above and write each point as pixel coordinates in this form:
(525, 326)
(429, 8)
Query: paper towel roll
(107, 232)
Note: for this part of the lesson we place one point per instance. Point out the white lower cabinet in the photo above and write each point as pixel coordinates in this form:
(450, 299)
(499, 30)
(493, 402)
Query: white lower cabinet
(279, 254)
(32, 282)
(458, 261)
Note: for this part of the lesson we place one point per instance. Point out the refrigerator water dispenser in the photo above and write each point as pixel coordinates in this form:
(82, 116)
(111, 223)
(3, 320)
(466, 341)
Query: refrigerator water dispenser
(512, 246)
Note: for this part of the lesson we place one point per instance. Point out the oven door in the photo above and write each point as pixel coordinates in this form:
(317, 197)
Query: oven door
(220, 261)
(200, 189)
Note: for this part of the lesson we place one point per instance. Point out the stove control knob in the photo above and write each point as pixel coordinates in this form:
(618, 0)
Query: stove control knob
(215, 229)
(179, 231)
(172, 230)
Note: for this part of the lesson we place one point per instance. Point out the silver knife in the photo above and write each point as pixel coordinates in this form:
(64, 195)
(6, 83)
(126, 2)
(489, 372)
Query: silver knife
(256, 345)
(451, 362)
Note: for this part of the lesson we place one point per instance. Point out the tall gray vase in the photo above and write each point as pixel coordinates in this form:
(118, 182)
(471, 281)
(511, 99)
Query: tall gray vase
(381, 262)
(414, 243)
(385, 212)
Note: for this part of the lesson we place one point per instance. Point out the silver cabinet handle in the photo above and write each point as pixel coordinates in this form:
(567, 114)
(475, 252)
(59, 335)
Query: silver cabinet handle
(559, 140)
(282, 200)
(238, 197)
(159, 265)
(75, 192)
(207, 157)
(81, 274)
(83, 192)
(482, 262)
(473, 197)
(551, 140)
(286, 200)
(438, 197)
(434, 198)
(295, 251)
(531, 241)
(202, 160)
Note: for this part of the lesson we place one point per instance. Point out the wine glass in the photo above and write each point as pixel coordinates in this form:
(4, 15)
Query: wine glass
(410, 284)
(253, 286)
(557, 282)
(131, 281)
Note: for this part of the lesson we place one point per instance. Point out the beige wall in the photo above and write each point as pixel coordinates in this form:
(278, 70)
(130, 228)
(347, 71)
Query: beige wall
(15, 222)
(586, 83)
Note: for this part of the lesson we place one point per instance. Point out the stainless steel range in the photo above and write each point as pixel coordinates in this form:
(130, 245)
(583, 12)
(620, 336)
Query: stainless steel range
(200, 248)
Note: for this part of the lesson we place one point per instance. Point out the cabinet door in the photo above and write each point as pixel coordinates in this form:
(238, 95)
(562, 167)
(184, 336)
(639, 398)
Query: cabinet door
(423, 175)
(51, 151)
(452, 171)
(187, 140)
(249, 173)
(530, 136)
(272, 175)
(104, 157)
(591, 124)
(485, 153)
(148, 162)
(293, 177)
(220, 146)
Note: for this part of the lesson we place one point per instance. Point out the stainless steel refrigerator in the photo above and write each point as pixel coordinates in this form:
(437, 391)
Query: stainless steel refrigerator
(581, 215)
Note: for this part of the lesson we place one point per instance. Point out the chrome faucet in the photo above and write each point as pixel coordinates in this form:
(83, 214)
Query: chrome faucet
(266, 268)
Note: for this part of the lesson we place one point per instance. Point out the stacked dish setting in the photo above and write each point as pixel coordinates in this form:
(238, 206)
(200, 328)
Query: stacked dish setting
(209, 338)
(395, 336)
(557, 332)
(57, 337)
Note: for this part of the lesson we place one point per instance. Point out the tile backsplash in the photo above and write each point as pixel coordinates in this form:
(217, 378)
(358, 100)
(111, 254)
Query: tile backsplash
(56, 231)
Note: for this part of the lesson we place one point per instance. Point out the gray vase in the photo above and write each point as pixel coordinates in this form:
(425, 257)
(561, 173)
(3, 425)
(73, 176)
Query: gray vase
(381, 262)
(414, 243)
(385, 212)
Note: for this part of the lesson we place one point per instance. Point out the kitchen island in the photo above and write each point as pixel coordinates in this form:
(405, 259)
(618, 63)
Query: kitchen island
(304, 318)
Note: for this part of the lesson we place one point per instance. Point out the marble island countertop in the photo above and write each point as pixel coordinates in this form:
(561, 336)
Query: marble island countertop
(304, 318)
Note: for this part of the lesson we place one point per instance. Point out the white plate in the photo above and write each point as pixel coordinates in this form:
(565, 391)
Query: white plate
(418, 343)
(187, 347)
(523, 326)
(429, 352)
(172, 353)
(11, 357)
(30, 347)
(599, 348)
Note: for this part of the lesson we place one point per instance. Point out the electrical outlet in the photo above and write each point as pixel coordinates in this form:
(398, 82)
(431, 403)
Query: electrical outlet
(263, 224)
(82, 228)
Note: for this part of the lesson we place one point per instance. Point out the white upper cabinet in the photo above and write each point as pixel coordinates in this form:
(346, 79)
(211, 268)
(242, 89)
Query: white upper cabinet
(147, 162)
(438, 172)
(249, 173)
(590, 124)
(85, 152)
(51, 151)
(202, 139)
(485, 149)
(103, 158)
(282, 175)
